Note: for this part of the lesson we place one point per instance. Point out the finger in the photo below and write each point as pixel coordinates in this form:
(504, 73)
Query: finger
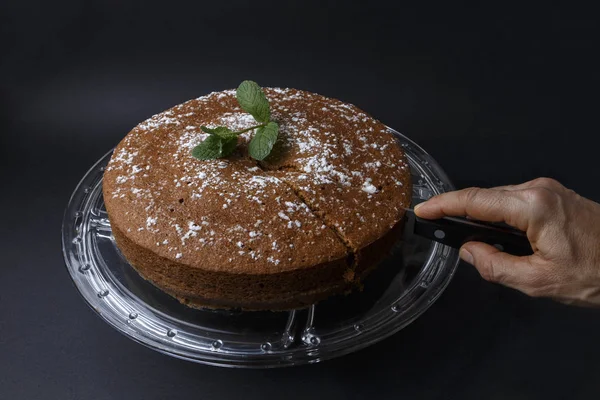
(547, 183)
(499, 267)
(506, 187)
(482, 204)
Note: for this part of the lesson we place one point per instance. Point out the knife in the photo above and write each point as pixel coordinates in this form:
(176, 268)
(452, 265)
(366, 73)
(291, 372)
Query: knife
(456, 231)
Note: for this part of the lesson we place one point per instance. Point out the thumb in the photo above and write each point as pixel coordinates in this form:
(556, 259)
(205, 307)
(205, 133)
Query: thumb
(496, 266)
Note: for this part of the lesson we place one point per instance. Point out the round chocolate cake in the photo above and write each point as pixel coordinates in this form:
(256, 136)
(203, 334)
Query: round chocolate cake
(308, 222)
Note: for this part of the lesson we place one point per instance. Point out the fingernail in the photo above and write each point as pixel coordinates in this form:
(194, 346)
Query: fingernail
(466, 256)
(418, 206)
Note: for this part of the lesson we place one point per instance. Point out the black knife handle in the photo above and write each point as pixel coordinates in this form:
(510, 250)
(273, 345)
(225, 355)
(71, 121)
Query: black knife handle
(455, 232)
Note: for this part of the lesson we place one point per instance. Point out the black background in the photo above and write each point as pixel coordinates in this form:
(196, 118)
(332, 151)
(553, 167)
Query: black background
(496, 94)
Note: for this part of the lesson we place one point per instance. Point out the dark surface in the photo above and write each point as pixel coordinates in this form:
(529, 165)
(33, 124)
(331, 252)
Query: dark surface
(496, 95)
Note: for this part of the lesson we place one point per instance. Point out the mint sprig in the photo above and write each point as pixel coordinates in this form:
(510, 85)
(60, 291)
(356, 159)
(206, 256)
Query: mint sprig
(222, 141)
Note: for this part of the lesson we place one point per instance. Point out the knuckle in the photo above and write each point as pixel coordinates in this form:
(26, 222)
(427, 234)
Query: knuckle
(481, 200)
(487, 274)
(549, 183)
(488, 271)
(542, 197)
(573, 194)
(471, 194)
(540, 286)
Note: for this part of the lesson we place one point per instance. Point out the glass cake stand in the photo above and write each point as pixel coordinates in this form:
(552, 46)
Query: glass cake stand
(395, 294)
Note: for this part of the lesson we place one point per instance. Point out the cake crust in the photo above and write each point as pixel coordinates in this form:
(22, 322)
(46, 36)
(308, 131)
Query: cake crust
(309, 221)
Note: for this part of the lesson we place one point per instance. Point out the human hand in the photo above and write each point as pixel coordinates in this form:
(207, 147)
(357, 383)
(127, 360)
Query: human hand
(562, 227)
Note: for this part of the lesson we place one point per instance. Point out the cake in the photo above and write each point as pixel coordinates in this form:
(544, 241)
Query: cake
(309, 221)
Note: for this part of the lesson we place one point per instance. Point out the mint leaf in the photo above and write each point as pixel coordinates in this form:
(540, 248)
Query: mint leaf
(229, 144)
(210, 148)
(252, 100)
(261, 144)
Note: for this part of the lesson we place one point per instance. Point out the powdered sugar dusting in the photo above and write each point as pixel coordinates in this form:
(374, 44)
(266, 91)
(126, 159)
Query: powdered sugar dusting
(336, 159)
(368, 187)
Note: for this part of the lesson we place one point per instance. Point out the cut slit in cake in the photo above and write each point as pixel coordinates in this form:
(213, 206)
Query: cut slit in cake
(309, 221)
